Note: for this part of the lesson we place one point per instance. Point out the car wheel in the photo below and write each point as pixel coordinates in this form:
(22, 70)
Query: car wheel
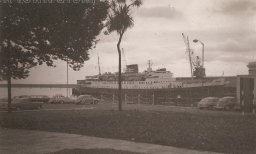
(232, 108)
(39, 107)
(226, 108)
(61, 102)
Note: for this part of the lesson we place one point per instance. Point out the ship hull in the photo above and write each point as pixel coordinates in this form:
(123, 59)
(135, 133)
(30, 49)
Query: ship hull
(191, 92)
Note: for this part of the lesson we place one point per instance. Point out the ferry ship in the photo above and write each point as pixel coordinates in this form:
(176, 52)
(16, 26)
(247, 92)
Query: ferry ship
(151, 82)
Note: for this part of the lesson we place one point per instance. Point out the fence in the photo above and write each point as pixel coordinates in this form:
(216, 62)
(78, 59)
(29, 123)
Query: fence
(149, 99)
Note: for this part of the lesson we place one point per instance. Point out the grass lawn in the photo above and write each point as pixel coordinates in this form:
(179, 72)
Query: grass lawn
(92, 151)
(213, 132)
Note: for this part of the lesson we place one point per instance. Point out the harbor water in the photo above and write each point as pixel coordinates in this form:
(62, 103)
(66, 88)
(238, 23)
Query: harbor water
(36, 91)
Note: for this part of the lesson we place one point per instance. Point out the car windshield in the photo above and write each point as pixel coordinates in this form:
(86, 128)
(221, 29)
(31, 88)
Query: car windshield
(58, 96)
(37, 96)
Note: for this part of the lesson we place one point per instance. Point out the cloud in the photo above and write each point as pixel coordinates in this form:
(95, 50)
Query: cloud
(159, 12)
(237, 7)
(236, 46)
(232, 46)
(234, 58)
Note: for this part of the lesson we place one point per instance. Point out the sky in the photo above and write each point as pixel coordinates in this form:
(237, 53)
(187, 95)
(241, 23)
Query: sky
(226, 27)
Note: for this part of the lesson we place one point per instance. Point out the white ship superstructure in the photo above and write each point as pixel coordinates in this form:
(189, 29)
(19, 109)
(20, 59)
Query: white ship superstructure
(159, 79)
(148, 80)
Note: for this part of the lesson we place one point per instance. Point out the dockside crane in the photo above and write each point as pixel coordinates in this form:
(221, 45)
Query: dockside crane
(196, 64)
(188, 50)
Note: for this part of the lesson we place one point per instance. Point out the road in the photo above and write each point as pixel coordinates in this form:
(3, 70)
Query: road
(41, 142)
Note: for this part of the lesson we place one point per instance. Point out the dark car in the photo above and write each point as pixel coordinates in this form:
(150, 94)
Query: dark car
(20, 96)
(40, 98)
(4, 100)
(22, 102)
(208, 103)
(227, 103)
(86, 99)
(60, 99)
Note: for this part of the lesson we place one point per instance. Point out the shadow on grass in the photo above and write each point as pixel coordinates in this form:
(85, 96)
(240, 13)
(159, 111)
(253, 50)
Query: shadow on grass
(198, 131)
(92, 151)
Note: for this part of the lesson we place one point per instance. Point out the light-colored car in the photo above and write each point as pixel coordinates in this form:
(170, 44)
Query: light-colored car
(227, 103)
(60, 99)
(22, 102)
(208, 103)
(86, 99)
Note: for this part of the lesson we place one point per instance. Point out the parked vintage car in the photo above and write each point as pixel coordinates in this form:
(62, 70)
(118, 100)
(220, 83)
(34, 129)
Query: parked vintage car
(86, 99)
(60, 99)
(20, 97)
(22, 102)
(4, 100)
(208, 103)
(227, 103)
(40, 98)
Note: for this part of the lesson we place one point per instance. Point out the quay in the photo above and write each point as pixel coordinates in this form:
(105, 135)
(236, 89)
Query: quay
(40, 86)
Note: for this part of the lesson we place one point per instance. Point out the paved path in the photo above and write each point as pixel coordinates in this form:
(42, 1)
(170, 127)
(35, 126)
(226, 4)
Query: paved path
(18, 141)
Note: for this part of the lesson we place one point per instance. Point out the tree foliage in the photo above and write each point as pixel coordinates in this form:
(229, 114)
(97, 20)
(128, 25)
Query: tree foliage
(119, 18)
(33, 34)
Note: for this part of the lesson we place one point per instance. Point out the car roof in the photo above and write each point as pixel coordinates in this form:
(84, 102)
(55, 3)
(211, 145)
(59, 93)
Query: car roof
(84, 95)
(228, 97)
(211, 98)
(22, 96)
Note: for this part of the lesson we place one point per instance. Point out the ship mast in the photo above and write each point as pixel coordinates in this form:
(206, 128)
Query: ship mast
(149, 66)
(124, 60)
(99, 64)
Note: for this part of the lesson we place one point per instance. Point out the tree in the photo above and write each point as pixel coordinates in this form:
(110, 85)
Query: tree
(119, 20)
(33, 34)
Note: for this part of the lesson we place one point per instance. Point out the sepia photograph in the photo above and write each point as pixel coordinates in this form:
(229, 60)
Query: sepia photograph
(127, 76)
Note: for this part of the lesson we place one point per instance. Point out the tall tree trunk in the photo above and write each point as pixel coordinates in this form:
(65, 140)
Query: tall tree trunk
(119, 80)
(9, 92)
(9, 78)
(119, 72)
